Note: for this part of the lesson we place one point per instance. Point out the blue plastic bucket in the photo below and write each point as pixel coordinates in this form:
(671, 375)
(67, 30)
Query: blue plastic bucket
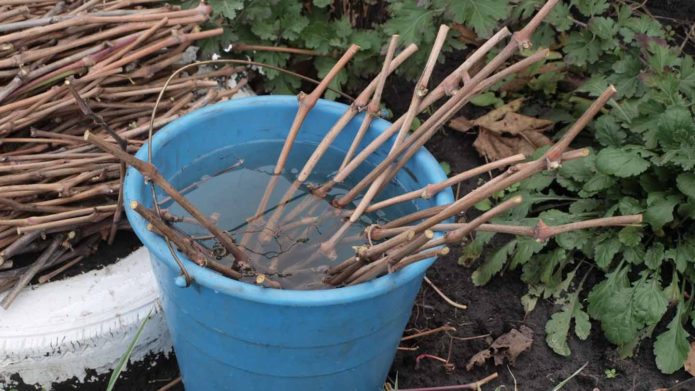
(235, 336)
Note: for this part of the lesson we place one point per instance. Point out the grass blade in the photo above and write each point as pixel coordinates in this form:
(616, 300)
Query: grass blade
(124, 359)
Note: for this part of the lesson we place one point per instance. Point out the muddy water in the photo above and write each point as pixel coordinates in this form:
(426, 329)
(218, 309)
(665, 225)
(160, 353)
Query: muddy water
(289, 251)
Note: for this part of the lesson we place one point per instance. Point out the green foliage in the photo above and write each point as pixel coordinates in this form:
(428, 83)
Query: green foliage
(642, 162)
(671, 348)
(558, 326)
(328, 30)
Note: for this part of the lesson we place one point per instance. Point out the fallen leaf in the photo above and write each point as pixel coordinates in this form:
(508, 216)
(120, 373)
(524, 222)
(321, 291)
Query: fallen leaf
(504, 132)
(461, 124)
(507, 347)
(510, 345)
(466, 35)
(690, 361)
(497, 114)
(478, 359)
(517, 124)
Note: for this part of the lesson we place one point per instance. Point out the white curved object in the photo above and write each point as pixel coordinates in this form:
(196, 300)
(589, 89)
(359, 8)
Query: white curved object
(52, 332)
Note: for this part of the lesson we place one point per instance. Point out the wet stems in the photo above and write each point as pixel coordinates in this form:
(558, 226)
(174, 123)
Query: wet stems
(152, 174)
(184, 244)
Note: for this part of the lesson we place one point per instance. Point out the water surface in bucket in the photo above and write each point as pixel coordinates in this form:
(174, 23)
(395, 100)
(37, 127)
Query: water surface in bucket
(288, 252)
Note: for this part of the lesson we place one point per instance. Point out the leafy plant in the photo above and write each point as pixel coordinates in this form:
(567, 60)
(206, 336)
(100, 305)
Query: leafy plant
(644, 155)
(610, 373)
(327, 27)
(643, 144)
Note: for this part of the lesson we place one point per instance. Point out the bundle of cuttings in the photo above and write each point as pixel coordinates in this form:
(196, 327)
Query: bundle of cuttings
(71, 66)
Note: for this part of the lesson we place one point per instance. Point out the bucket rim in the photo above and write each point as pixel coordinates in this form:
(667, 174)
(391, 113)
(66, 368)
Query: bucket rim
(134, 187)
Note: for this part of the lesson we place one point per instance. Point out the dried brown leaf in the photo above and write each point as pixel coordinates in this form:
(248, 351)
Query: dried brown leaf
(462, 124)
(495, 115)
(478, 359)
(516, 123)
(510, 345)
(504, 132)
(466, 35)
(690, 361)
(507, 347)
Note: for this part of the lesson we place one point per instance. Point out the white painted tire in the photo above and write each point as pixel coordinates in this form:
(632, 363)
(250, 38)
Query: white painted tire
(53, 332)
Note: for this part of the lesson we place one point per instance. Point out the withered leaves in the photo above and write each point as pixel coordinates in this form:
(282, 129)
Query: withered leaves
(507, 347)
(503, 132)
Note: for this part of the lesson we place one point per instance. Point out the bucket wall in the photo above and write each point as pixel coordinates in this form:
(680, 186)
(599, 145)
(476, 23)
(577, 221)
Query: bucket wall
(235, 336)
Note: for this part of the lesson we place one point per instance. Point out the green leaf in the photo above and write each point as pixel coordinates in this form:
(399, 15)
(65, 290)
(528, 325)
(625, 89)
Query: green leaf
(671, 347)
(484, 205)
(686, 184)
(446, 167)
(557, 328)
(661, 57)
(630, 236)
(603, 28)
(581, 48)
(322, 3)
(598, 183)
(687, 75)
(126, 356)
(599, 298)
(608, 132)
(525, 248)
(481, 16)
(537, 182)
(560, 17)
(493, 264)
(227, 8)
(413, 22)
(585, 205)
(591, 7)
(323, 36)
(676, 135)
(660, 209)
(486, 99)
(630, 206)
(654, 256)
(582, 324)
(650, 302)
(620, 162)
(606, 250)
(631, 309)
(472, 251)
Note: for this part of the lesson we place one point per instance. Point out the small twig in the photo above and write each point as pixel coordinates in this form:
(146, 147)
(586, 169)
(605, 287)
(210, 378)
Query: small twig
(184, 244)
(306, 103)
(373, 108)
(171, 384)
(431, 190)
(440, 329)
(241, 47)
(445, 297)
(49, 276)
(470, 386)
(99, 121)
(46, 255)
